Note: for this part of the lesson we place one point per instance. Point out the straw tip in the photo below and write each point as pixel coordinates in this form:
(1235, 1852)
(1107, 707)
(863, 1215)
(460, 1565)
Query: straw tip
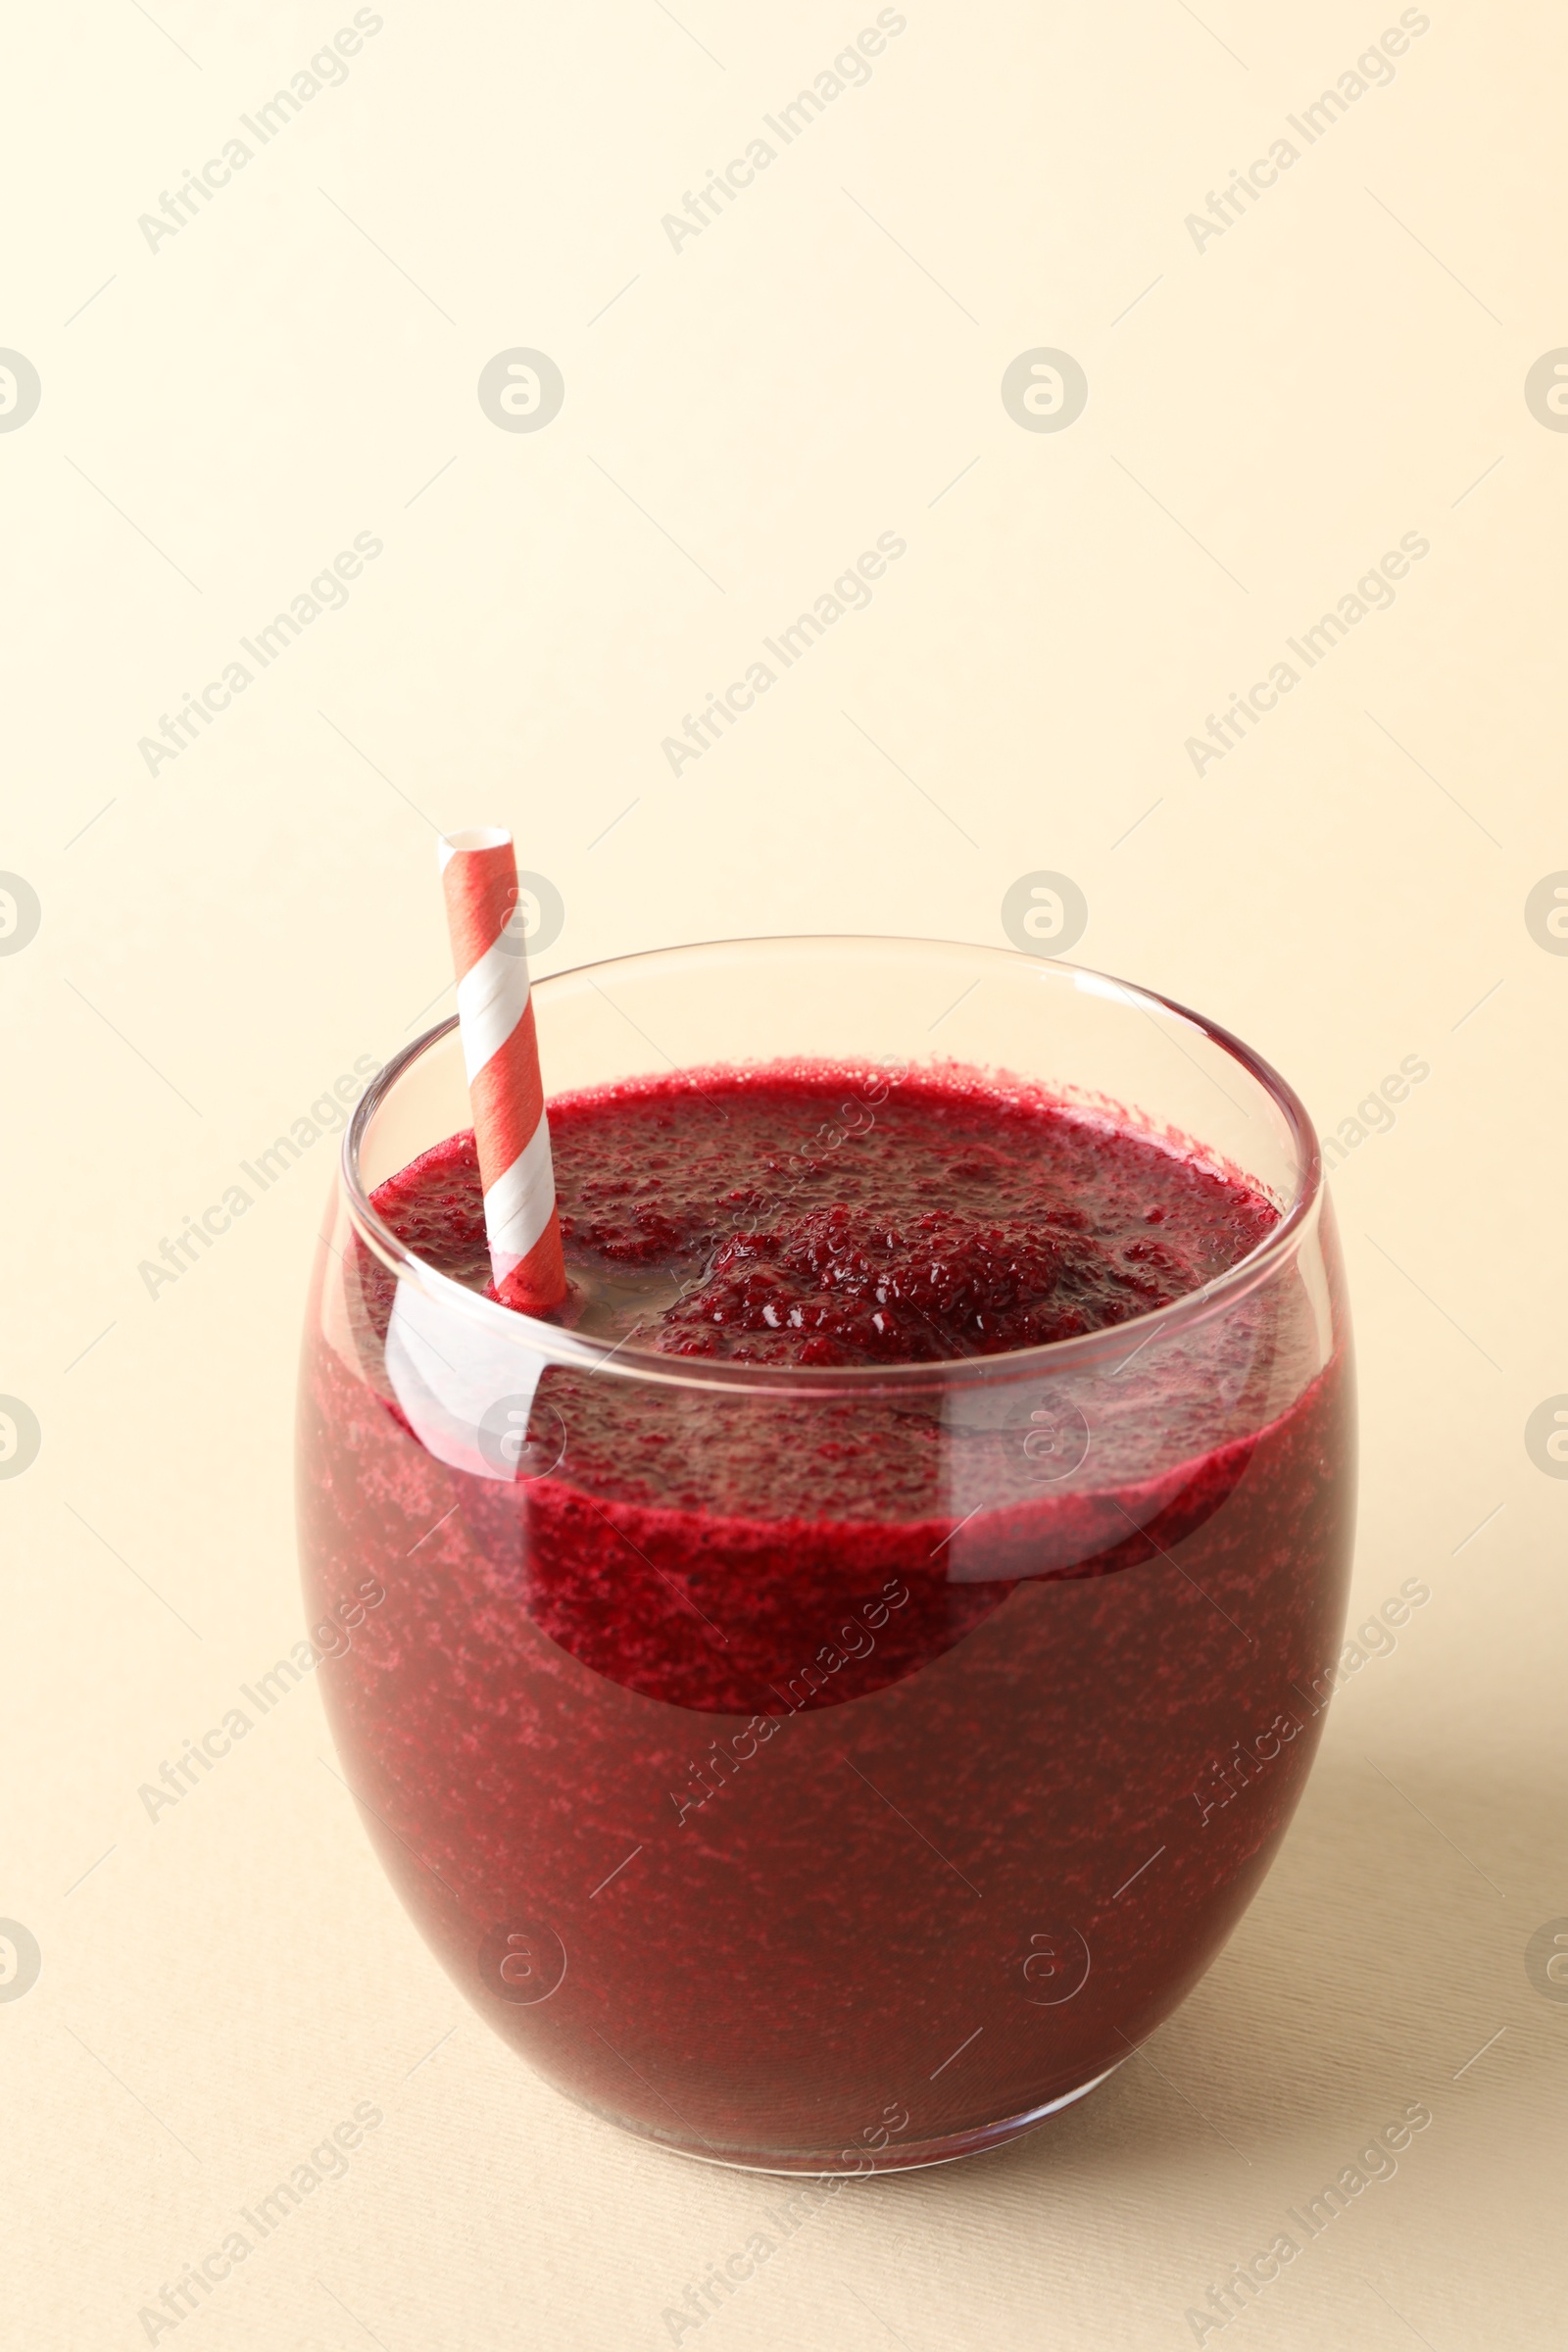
(475, 837)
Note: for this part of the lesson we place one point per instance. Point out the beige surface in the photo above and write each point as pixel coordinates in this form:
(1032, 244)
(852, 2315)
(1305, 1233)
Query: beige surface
(229, 934)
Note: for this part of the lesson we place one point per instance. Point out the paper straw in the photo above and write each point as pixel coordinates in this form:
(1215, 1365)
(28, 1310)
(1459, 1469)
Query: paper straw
(501, 1054)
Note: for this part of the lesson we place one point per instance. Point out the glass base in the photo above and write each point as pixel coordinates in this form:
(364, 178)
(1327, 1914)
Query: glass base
(916, 2156)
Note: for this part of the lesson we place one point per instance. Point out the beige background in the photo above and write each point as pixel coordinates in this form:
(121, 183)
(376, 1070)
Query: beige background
(219, 940)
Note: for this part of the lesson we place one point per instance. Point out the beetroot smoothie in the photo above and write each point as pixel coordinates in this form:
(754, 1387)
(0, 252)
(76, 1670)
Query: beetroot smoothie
(832, 1781)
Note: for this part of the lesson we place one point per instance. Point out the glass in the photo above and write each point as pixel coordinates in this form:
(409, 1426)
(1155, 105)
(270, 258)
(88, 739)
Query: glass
(1032, 1730)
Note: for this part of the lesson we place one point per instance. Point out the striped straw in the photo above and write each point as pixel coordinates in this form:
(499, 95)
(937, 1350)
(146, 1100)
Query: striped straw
(501, 1054)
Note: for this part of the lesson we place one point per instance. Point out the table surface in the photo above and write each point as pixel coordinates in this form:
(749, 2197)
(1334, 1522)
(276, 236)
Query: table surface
(1287, 381)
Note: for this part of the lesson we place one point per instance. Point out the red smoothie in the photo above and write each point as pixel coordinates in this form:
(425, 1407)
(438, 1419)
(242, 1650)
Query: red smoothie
(831, 1780)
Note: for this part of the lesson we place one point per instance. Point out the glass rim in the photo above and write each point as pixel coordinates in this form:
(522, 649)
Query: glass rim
(1084, 1352)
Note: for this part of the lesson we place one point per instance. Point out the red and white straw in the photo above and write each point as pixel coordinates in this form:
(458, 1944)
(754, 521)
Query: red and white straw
(501, 1054)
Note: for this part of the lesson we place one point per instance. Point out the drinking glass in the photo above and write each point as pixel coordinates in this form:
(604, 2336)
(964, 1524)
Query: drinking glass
(818, 1838)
